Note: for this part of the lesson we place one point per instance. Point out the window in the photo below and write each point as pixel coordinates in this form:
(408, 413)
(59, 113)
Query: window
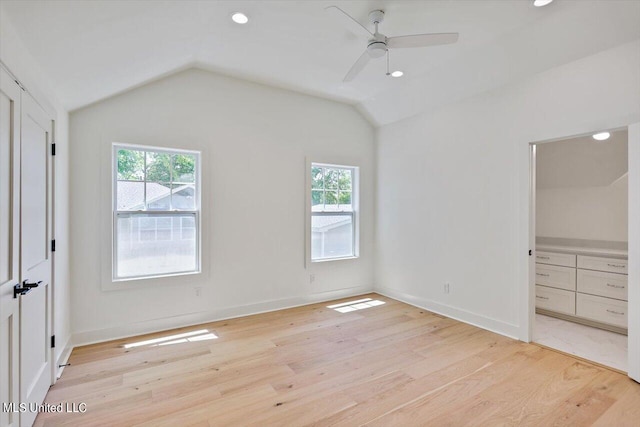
(333, 212)
(156, 212)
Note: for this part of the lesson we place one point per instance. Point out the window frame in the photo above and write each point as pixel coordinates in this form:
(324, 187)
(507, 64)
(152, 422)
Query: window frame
(354, 213)
(176, 213)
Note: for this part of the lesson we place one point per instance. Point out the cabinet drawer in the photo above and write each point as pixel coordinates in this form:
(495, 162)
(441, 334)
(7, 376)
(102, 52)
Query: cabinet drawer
(557, 300)
(602, 309)
(610, 285)
(603, 264)
(553, 258)
(556, 277)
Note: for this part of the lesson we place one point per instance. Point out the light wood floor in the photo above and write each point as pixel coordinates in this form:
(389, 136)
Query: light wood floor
(388, 365)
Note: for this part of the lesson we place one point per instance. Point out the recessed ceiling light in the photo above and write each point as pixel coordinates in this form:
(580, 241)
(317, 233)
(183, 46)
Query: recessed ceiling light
(239, 18)
(397, 74)
(540, 3)
(602, 136)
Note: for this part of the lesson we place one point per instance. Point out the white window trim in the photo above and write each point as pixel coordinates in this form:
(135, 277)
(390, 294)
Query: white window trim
(120, 283)
(355, 203)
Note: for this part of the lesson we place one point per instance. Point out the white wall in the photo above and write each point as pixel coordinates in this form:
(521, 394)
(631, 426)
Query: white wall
(592, 213)
(453, 186)
(15, 56)
(254, 141)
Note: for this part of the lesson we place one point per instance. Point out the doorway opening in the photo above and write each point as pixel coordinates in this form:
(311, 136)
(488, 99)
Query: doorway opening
(580, 207)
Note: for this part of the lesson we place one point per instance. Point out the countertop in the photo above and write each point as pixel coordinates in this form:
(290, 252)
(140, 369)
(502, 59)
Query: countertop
(579, 250)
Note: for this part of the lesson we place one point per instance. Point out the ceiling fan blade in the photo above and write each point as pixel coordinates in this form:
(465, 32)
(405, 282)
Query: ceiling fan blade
(348, 22)
(357, 67)
(421, 40)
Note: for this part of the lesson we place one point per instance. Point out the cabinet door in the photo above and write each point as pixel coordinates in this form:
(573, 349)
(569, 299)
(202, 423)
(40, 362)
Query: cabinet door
(556, 277)
(605, 310)
(557, 300)
(604, 284)
(612, 265)
(554, 258)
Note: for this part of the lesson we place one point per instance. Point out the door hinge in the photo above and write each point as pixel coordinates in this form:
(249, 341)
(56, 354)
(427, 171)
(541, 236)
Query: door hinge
(53, 245)
(53, 149)
(53, 341)
(530, 252)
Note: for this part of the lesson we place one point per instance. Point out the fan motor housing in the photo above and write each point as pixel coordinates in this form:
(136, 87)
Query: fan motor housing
(376, 48)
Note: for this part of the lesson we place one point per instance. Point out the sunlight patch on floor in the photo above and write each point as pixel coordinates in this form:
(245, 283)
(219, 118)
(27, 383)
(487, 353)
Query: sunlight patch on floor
(199, 335)
(360, 304)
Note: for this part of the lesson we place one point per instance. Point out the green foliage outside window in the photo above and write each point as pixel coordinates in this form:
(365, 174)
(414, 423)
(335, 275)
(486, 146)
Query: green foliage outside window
(331, 186)
(160, 167)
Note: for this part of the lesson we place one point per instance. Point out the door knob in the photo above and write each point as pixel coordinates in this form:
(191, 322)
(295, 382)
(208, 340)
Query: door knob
(26, 284)
(19, 290)
(25, 288)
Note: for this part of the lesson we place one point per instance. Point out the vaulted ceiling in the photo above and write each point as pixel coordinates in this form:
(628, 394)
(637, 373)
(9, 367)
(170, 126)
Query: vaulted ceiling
(95, 49)
(582, 162)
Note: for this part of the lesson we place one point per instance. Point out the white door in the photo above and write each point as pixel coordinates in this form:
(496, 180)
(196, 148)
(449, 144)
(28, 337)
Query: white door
(9, 245)
(35, 255)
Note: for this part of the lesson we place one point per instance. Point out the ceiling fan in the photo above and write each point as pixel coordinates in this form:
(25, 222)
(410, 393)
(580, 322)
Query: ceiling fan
(378, 44)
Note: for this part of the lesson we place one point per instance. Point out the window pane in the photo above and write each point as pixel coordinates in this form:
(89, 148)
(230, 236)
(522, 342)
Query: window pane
(164, 228)
(158, 196)
(344, 199)
(331, 178)
(345, 179)
(184, 197)
(331, 236)
(146, 228)
(184, 168)
(317, 198)
(130, 165)
(155, 244)
(158, 167)
(130, 196)
(316, 177)
(331, 200)
(187, 228)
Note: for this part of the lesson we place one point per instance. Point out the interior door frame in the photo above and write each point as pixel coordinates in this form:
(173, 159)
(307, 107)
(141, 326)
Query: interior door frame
(633, 345)
(633, 195)
(52, 280)
(531, 285)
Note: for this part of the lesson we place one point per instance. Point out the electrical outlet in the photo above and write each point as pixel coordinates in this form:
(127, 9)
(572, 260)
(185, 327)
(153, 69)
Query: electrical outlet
(198, 291)
(446, 288)
(312, 278)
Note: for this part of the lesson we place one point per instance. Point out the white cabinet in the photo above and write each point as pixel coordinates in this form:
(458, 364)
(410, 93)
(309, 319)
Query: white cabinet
(584, 288)
(603, 264)
(566, 260)
(556, 276)
(557, 300)
(610, 285)
(600, 309)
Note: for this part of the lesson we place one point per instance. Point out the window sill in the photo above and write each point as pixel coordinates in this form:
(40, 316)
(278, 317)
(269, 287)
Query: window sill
(158, 276)
(313, 261)
(150, 281)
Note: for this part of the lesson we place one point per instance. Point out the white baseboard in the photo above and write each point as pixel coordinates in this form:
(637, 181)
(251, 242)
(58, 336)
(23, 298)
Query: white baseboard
(162, 324)
(493, 325)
